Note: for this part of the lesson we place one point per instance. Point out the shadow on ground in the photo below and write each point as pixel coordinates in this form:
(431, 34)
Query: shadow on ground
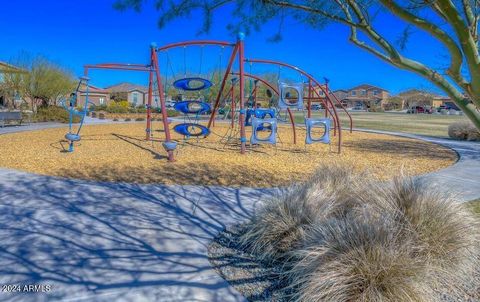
(182, 174)
(402, 147)
(104, 242)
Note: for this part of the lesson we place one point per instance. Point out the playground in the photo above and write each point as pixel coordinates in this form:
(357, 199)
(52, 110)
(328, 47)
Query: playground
(241, 122)
(119, 152)
(128, 210)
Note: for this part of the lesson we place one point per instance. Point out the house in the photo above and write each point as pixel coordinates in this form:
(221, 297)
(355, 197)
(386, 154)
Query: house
(7, 96)
(342, 96)
(363, 96)
(135, 94)
(96, 95)
(415, 97)
(8, 68)
(444, 101)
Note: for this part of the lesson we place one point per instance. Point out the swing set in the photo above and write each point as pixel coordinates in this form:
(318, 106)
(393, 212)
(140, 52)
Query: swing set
(232, 74)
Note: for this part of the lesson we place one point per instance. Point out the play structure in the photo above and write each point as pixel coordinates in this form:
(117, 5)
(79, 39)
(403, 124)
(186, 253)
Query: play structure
(75, 109)
(224, 88)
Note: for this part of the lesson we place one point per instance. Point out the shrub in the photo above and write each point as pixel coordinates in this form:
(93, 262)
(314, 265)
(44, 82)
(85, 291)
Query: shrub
(116, 107)
(141, 109)
(464, 130)
(283, 220)
(94, 114)
(376, 109)
(122, 103)
(140, 119)
(172, 113)
(99, 107)
(340, 237)
(53, 114)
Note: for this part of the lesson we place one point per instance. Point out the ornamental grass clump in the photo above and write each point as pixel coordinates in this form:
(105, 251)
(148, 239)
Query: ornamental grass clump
(464, 130)
(284, 219)
(342, 237)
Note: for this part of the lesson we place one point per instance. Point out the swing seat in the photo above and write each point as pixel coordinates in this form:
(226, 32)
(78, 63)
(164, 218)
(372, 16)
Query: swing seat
(186, 84)
(72, 137)
(192, 107)
(260, 113)
(263, 112)
(311, 123)
(258, 123)
(284, 102)
(185, 129)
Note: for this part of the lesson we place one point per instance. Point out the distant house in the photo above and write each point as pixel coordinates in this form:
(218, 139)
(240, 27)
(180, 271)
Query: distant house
(415, 97)
(444, 101)
(363, 96)
(8, 97)
(96, 95)
(135, 94)
(5, 67)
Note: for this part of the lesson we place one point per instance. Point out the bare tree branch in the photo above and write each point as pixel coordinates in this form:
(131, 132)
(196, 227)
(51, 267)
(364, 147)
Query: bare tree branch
(456, 55)
(467, 42)
(311, 10)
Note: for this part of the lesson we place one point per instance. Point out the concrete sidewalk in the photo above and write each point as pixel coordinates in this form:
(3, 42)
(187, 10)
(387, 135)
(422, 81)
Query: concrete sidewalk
(114, 242)
(462, 178)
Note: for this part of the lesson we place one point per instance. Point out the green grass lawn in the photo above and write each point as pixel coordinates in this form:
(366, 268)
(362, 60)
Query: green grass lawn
(425, 124)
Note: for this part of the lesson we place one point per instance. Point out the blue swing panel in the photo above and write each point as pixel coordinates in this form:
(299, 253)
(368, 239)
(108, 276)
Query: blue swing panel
(185, 107)
(185, 84)
(256, 124)
(311, 123)
(283, 102)
(258, 113)
(184, 129)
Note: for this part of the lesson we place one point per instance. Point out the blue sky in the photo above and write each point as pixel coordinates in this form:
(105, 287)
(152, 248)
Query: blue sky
(74, 33)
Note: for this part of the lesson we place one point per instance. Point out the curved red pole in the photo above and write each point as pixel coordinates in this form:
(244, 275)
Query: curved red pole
(345, 109)
(241, 119)
(222, 86)
(162, 103)
(292, 120)
(315, 82)
(195, 42)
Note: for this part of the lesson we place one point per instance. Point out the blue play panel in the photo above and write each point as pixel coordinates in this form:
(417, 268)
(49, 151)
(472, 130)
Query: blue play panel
(188, 84)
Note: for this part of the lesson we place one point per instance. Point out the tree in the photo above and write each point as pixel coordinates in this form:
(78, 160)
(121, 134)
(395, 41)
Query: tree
(415, 97)
(43, 83)
(454, 23)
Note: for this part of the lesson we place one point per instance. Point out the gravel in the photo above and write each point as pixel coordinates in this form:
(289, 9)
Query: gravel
(259, 282)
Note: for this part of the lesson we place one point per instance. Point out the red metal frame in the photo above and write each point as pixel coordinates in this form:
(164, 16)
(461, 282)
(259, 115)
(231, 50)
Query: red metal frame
(162, 102)
(241, 118)
(238, 49)
(335, 117)
(117, 66)
(153, 70)
(222, 85)
(238, 52)
(195, 42)
(275, 90)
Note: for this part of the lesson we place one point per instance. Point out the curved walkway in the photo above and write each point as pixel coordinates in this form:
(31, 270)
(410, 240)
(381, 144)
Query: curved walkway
(96, 241)
(462, 178)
